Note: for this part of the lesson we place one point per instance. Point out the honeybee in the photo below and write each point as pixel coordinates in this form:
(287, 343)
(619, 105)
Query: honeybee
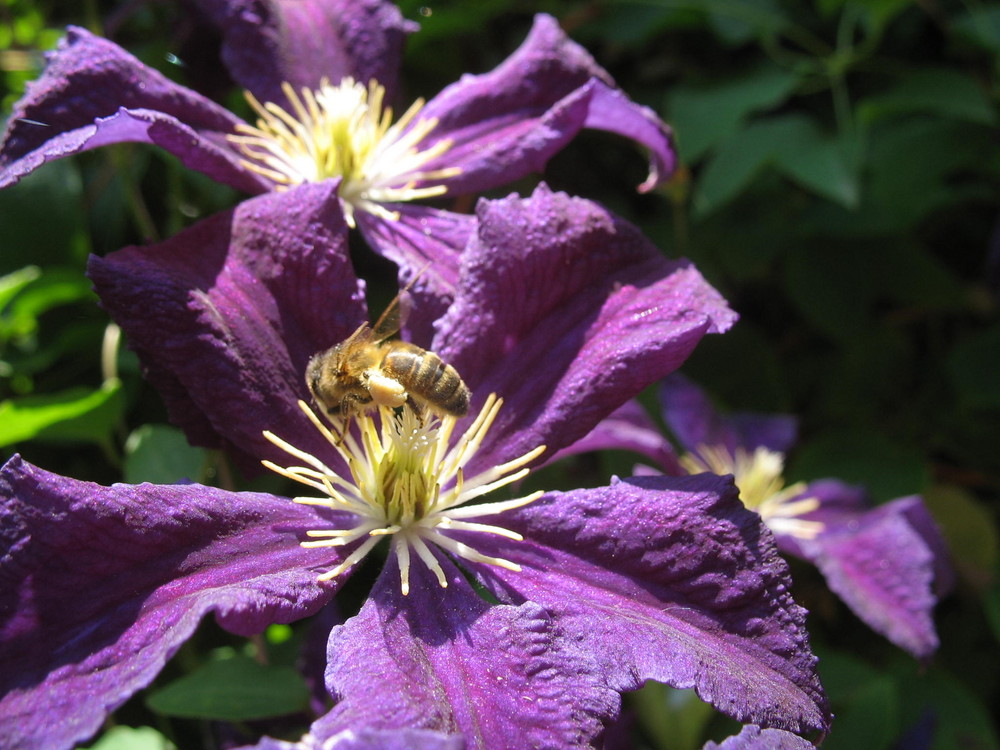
(367, 370)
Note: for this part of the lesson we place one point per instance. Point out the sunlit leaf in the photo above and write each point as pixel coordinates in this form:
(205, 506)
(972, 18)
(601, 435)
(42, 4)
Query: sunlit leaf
(79, 413)
(50, 289)
(132, 738)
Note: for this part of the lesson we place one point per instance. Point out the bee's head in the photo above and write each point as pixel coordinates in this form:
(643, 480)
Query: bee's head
(322, 379)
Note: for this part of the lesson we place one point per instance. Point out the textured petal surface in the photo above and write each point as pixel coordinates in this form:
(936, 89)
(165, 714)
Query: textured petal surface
(225, 315)
(93, 93)
(671, 579)
(694, 420)
(99, 586)
(567, 311)
(882, 563)
(505, 677)
(371, 739)
(752, 737)
(508, 123)
(267, 42)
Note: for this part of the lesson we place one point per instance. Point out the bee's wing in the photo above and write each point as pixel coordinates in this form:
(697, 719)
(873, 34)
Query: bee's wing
(393, 317)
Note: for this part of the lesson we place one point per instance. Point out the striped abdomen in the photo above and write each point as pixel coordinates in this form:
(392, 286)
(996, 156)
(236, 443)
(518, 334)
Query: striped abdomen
(427, 378)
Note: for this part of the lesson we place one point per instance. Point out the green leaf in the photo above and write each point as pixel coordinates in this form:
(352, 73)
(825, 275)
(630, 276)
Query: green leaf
(161, 454)
(49, 289)
(944, 92)
(991, 604)
(77, 413)
(132, 738)
(791, 143)
(970, 530)
(706, 114)
(866, 704)
(43, 222)
(744, 20)
(674, 719)
(233, 689)
(961, 721)
(12, 284)
(980, 25)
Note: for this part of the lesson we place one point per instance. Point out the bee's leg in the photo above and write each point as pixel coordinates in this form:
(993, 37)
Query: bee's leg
(418, 410)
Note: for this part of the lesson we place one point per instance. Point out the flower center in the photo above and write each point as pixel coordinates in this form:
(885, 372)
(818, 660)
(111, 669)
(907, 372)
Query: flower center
(408, 483)
(762, 486)
(344, 131)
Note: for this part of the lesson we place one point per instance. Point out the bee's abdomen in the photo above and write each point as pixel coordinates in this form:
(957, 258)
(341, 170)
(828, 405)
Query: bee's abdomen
(428, 378)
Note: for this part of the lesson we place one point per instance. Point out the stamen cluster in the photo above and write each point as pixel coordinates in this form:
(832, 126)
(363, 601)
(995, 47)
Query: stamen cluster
(762, 486)
(408, 483)
(344, 131)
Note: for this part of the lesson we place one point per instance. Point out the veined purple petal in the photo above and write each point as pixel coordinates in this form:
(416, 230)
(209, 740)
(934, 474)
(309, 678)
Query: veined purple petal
(882, 563)
(425, 241)
(508, 123)
(669, 578)
(93, 93)
(628, 428)
(567, 311)
(505, 677)
(752, 737)
(99, 586)
(268, 42)
(841, 505)
(694, 420)
(225, 315)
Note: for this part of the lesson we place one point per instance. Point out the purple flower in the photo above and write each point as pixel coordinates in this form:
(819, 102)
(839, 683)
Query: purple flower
(752, 737)
(319, 74)
(562, 311)
(889, 563)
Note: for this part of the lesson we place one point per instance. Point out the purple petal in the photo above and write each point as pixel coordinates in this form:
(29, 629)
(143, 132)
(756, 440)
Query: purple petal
(752, 737)
(882, 563)
(93, 93)
(508, 123)
(694, 420)
(628, 428)
(424, 241)
(446, 660)
(268, 42)
(371, 739)
(99, 586)
(225, 315)
(670, 579)
(567, 311)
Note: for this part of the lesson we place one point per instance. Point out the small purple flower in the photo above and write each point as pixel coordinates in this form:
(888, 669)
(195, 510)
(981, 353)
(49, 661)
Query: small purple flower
(889, 563)
(562, 311)
(320, 74)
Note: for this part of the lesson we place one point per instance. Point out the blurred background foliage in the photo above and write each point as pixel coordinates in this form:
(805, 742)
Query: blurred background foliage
(840, 185)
